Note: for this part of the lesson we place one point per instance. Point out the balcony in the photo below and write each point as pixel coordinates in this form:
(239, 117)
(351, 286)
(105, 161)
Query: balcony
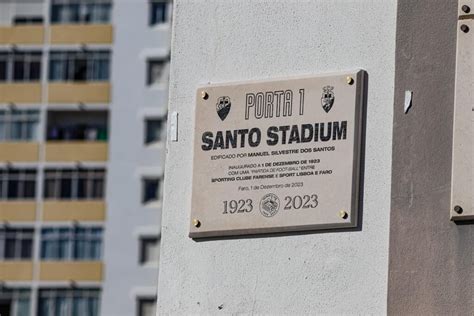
(17, 211)
(16, 270)
(71, 271)
(21, 34)
(74, 211)
(76, 136)
(81, 34)
(19, 151)
(20, 92)
(87, 92)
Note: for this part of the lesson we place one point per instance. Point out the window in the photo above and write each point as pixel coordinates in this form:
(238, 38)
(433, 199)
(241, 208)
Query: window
(83, 125)
(80, 11)
(16, 243)
(27, 20)
(17, 184)
(20, 66)
(158, 12)
(79, 66)
(74, 184)
(147, 306)
(84, 132)
(14, 301)
(18, 125)
(151, 190)
(71, 243)
(154, 130)
(5, 66)
(68, 302)
(149, 250)
(156, 71)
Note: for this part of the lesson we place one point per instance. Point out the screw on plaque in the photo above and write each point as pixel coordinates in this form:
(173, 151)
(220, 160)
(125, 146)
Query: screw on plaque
(343, 214)
(466, 9)
(464, 28)
(196, 223)
(204, 95)
(458, 209)
(350, 80)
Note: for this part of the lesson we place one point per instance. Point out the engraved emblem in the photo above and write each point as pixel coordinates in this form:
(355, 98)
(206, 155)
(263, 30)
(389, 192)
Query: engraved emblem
(327, 99)
(269, 205)
(223, 107)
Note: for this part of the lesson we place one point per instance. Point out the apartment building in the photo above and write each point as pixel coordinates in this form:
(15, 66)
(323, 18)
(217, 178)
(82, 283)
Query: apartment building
(83, 105)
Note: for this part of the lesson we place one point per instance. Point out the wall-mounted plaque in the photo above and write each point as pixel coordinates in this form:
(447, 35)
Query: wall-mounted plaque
(277, 155)
(463, 129)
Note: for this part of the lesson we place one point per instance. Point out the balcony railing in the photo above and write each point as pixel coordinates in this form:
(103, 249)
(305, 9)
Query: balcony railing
(19, 151)
(76, 151)
(16, 270)
(24, 92)
(17, 211)
(81, 34)
(21, 34)
(71, 271)
(83, 92)
(74, 210)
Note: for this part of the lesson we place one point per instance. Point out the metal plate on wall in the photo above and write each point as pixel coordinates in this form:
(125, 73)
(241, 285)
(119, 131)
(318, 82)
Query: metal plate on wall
(463, 131)
(277, 156)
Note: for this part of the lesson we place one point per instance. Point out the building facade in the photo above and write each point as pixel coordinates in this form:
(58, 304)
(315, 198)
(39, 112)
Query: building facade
(83, 104)
(406, 256)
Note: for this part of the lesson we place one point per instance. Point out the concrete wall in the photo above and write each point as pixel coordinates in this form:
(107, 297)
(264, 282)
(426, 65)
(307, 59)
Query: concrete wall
(336, 272)
(431, 258)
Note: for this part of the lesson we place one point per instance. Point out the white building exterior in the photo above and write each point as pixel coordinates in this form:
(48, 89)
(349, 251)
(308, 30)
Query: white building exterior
(81, 183)
(131, 161)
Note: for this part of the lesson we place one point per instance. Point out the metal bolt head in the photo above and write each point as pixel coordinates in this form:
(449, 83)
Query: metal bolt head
(349, 80)
(343, 214)
(458, 209)
(196, 223)
(466, 9)
(204, 95)
(464, 28)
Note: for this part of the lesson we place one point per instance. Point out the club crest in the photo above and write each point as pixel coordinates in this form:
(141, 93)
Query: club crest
(327, 99)
(223, 107)
(269, 205)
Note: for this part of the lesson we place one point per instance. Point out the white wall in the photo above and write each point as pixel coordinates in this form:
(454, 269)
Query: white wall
(338, 272)
(12, 8)
(129, 159)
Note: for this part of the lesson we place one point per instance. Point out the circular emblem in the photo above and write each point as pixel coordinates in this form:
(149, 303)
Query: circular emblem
(269, 205)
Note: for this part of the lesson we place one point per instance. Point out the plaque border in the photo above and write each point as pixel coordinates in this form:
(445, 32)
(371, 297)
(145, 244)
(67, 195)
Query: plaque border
(360, 81)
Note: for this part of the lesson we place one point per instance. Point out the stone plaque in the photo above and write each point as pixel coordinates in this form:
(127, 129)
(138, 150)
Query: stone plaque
(462, 189)
(277, 155)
